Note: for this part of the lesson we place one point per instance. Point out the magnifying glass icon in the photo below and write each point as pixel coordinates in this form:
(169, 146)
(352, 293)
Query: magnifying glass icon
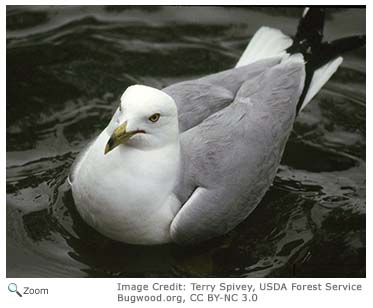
(12, 287)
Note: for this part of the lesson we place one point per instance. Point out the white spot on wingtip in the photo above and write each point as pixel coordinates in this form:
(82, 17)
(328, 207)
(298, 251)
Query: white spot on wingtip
(305, 11)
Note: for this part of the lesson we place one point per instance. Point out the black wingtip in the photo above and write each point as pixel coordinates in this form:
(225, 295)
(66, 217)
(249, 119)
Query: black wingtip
(310, 31)
(309, 41)
(348, 43)
(331, 50)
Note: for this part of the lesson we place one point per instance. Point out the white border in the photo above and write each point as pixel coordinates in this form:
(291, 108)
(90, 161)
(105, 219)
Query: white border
(101, 292)
(190, 2)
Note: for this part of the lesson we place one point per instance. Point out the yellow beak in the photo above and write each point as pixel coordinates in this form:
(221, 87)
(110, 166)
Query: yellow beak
(119, 136)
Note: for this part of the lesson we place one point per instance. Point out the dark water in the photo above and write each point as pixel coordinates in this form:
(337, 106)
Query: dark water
(66, 68)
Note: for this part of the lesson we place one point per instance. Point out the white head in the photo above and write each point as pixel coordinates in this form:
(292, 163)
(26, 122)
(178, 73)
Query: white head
(146, 118)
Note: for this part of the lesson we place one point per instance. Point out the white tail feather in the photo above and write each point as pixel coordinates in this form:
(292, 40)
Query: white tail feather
(266, 43)
(320, 78)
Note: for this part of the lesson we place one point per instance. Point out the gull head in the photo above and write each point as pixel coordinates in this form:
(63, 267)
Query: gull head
(146, 119)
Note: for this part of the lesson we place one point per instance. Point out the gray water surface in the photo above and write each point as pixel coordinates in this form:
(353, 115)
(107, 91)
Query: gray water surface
(66, 69)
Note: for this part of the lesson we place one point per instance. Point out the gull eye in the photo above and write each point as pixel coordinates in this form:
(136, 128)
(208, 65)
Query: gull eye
(154, 118)
(120, 106)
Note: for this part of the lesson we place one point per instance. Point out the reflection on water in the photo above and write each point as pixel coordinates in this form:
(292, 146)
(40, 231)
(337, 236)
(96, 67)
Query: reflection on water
(66, 68)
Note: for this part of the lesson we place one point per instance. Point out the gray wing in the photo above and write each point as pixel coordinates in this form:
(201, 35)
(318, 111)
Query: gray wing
(198, 99)
(230, 159)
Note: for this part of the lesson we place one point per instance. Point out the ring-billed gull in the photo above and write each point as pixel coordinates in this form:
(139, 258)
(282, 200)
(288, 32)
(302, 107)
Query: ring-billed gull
(191, 161)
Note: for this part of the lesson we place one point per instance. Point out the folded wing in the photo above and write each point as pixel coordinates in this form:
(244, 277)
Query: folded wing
(198, 99)
(231, 158)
